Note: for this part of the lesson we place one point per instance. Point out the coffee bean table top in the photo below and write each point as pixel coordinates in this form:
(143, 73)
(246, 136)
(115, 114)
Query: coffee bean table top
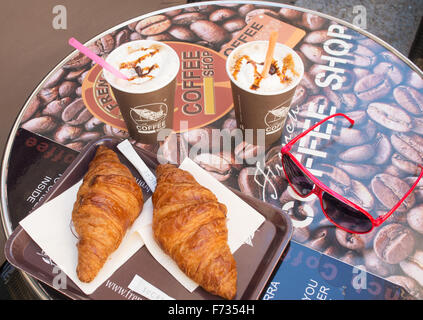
(346, 70)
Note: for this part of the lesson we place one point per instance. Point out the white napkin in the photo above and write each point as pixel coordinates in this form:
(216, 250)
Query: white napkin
(50, 227)
(242, 221)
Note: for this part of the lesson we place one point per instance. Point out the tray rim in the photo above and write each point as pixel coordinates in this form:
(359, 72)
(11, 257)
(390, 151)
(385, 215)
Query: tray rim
(19, 232)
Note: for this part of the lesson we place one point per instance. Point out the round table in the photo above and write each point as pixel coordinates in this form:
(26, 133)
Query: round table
(346, 70)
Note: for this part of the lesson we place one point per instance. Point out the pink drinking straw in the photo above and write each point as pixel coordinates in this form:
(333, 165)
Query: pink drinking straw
(83, 49)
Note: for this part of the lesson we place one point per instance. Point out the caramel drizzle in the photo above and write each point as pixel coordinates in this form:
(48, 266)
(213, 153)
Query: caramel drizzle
(288, 64)
(141, 72)
(144, 72)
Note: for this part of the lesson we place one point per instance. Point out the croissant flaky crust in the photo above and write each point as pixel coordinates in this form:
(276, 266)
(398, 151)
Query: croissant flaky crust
(108, 202)
(190, 226)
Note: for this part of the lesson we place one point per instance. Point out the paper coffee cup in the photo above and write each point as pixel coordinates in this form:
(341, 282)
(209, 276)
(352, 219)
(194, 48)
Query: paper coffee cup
(146, 101)
(261, 111)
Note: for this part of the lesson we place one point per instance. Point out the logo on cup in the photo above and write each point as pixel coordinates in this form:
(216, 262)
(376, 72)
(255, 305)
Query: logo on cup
(274, 118)
(149, 118)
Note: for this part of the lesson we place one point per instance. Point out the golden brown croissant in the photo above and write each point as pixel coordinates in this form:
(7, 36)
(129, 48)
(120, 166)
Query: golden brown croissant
(107, 203)
(190, 225)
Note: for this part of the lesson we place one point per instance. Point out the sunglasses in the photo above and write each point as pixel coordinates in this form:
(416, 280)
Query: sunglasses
(339, 210)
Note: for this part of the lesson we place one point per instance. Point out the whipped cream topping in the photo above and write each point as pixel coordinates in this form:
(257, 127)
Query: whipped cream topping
(149, 65)
(247, 61)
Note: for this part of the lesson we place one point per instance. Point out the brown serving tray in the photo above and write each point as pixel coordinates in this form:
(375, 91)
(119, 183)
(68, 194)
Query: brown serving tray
(255, 263)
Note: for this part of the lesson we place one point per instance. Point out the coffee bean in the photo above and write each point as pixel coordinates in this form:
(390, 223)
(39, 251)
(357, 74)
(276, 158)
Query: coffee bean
(74, 74)
(135, 36)
(360, 171)
(55, 78)
(247, 151)
(290, 14)
(372, 87)
(67, 88)
(76, 113)
(251, 14)
(313, 53)
(107, 43)
(417, 125)
(47, 95)
(188, 18)
(66, 133)
(182, 33)
(153, 25)
(115, 132)
(390, 116)
(415, 218)
(216, 165)
(410, 99)
(320, 238)
(33, 106)
(358, 153)
(394, 243)
(418, 191)
(376, 265)
(360, 195)
(122, 37)
(362, 57)
(413, 266)
(172, 13)
(221, 14)
(383, 149)
(234, 25)
(404, 165)
(301, 235)
(389, 190)
(210, 32)
(299, 96)
(316, 37)
(353, 241)
(247, 184)
(206, 9)
(336, 174)
(414, 80)
(56, 107)
(409, 146)
(349, 100)
(173, 149)
(390, 70)
(41, 125)
(80, 60)
(93, 124)
(312, 21)
(354, 137)
(308, 82)
(244, 9)
(359, 117)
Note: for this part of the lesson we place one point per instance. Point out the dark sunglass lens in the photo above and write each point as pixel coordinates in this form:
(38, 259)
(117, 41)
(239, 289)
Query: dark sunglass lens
(344, 215)
(302, 184)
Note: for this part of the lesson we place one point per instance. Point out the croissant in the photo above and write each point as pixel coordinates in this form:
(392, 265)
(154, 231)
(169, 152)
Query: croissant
(190, 226)
(107, 203)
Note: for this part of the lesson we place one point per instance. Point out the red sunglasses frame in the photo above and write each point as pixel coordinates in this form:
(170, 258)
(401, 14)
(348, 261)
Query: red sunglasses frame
(319, 187)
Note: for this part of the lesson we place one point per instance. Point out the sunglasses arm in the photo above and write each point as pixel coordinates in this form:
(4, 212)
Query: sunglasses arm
(289, 145)
(383, 218)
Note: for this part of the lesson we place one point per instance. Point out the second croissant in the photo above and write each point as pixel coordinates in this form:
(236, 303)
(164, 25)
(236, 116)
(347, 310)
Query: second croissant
(190, 226)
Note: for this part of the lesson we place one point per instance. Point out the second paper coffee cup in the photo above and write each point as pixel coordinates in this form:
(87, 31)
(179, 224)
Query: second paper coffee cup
(262, 104)
(146, 101)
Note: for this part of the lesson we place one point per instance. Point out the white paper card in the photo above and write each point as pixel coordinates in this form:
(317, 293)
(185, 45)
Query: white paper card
(50, 227)
(242, 222)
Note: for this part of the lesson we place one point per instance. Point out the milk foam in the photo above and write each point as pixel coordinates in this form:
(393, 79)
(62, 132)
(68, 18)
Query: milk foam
(164, 66)
(256, 51)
